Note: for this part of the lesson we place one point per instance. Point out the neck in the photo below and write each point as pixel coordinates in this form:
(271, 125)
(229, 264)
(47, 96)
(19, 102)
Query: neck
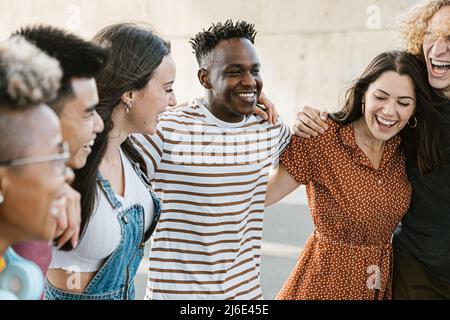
(221, 112)
(4, 244)
(365, 139)
(6, 239)
(447, 93)
(117, 136)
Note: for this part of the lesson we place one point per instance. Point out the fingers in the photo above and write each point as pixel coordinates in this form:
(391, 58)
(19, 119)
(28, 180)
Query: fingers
(69, 175)
(299, 132)
(64, 238)
(307, 126)
(61, 221)
(324, 115)
(271, 111)
(315, 124)
(77, 224)
(72, 216)
(273, 114)
(318, 118)
(310, 122)
(260, 112)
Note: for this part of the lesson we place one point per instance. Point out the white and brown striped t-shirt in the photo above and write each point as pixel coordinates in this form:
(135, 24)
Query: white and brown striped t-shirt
(212, 177)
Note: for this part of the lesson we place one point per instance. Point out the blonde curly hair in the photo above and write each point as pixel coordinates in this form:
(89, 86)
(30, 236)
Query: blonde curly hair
(28, 76)
(414, 24)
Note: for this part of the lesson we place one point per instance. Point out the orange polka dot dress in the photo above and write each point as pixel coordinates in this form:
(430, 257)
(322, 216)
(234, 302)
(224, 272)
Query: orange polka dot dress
(355, 209)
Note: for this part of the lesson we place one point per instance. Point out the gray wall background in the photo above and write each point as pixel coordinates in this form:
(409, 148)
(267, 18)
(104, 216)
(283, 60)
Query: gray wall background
(310, 49)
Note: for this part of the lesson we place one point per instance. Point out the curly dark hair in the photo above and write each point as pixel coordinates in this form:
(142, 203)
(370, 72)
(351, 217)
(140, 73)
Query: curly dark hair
(204, 42)
(78, 58)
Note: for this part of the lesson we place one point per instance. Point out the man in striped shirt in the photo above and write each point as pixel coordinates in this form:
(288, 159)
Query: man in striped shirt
(210, 162)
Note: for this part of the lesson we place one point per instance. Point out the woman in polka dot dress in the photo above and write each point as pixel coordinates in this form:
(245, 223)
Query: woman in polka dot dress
(356, 184)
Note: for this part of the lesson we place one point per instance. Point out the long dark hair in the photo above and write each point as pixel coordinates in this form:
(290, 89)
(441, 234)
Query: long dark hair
(135, 52)
(424, 142)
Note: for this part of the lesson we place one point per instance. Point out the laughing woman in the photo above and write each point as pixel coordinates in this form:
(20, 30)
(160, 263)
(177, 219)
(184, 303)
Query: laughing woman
(119, 208)
(356, 183)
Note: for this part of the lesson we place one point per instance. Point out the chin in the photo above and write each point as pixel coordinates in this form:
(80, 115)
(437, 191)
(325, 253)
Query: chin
(248, 111)
(79, 160)
(78, 163)
(150, 132)
(385, 136)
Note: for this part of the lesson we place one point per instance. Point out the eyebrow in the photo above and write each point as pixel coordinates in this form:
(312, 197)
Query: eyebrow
(170, 82)
(403, 97)
(90, 109)
(237, 65)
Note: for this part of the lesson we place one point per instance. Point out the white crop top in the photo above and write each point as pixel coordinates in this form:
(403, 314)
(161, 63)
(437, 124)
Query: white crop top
(103, 232)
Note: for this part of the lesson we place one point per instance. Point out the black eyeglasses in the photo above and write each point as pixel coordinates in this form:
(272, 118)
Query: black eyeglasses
(60, 158)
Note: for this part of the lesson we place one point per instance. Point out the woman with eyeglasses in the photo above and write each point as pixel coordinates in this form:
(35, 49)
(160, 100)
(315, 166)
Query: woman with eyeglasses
(32, 153)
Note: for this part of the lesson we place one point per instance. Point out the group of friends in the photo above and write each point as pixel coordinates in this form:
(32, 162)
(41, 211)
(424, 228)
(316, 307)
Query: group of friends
(97, 158)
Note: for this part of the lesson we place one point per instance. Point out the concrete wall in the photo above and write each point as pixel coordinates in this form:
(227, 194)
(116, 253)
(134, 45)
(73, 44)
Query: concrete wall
(310, 49)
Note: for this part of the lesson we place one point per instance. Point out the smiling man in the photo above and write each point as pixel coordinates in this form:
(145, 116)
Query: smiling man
(436, 50)
(210, 162)
(422, 241)
(75, 105)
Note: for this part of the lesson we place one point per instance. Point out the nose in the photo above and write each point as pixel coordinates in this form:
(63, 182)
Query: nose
(98, 123)
(440, 47)
(172, 100)
(389, 108)
(248, 80)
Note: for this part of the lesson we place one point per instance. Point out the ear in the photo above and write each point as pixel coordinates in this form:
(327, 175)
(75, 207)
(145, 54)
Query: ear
(128, 96)
(203, 78)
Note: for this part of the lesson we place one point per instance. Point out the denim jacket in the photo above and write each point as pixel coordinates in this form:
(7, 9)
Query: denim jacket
(115, 279)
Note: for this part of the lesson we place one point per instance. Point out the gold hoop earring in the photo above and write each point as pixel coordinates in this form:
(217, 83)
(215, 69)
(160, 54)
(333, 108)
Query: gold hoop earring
(363, 108)
(415, 123)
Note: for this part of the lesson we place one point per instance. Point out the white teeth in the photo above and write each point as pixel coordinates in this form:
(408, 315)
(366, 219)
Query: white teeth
(440, 63)
(89, 144)
(386, 122)
(247, 95)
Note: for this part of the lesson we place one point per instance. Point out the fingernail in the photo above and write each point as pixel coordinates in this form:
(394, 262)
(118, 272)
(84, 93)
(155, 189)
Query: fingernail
(322, 131)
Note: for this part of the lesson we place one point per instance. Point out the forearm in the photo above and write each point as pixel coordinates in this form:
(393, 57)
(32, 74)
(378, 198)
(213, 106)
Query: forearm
(281, 184)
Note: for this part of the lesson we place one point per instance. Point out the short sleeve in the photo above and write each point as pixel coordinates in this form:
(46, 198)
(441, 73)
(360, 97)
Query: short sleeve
(151, 148)
(284, 138)
(297, 159)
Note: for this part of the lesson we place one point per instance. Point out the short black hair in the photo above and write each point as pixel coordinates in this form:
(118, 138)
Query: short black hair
(204, 42)
(78, 58)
